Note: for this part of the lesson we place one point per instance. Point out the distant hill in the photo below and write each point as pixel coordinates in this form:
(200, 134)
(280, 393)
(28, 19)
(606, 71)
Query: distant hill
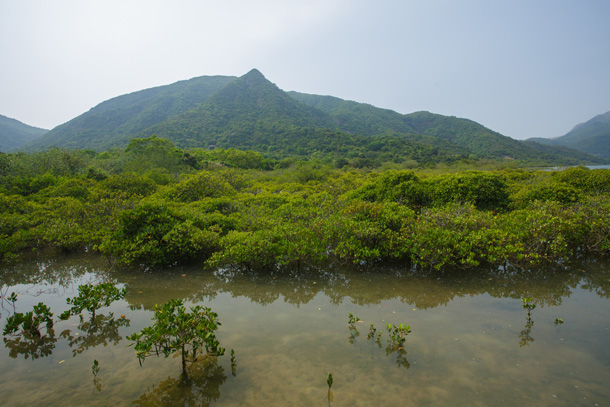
(14, 134)
(591, 137)
(252, 113)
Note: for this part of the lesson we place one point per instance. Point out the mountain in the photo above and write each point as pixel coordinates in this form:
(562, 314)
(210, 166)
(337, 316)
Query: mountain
(464, 134)
(250, 112)
(247, 109)
(113, 122)
(591, 137)
(357, 118)
(14, 134)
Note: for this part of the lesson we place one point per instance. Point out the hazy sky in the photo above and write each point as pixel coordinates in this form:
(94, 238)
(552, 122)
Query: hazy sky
(525, 68)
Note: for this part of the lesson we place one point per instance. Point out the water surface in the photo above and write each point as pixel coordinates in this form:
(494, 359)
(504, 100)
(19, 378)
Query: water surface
(471, 344)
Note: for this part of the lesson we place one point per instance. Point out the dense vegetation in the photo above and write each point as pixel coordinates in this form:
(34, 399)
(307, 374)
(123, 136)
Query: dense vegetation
(152, 204)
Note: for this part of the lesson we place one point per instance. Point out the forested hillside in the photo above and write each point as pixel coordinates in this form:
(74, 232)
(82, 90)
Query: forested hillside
(14, 134)
(114, 122)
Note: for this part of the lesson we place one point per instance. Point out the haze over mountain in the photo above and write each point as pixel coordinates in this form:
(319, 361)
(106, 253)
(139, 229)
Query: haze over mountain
(14, 134)
(252, 113)
(591, 137)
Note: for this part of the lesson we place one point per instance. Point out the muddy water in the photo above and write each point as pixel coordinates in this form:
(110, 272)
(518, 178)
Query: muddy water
(471, 342)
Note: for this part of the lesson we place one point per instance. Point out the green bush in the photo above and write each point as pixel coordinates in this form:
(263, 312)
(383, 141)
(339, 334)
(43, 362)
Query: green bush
(589, 181)
(486, 191)
(402, 187)
(153, 234)
(128, 185)
(205, 184)
(562, 193)
(368, 231)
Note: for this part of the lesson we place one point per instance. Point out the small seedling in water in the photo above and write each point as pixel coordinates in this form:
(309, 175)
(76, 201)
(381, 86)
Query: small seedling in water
(329, 381)
(91, 298)
(176, 330)
(95, 368)
(233, 363)
(372, 332)
(352, 327)
(558, 321)
(527, 303)
(12, 298)
(398, 334)
(30, 322)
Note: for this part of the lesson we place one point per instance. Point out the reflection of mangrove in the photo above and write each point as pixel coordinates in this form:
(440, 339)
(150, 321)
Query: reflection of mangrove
(391, 350)
(525, 335)
(401, 356)
(233, 363)
(97, 383)
(200, 388)
(95, 369)
(421, 289)
(7, 302)
(103, 330)
(31, 345)
(596, 278)
(353, 334)
(55, 270)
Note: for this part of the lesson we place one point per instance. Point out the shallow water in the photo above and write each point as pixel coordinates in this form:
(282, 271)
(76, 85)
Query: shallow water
(471, 341)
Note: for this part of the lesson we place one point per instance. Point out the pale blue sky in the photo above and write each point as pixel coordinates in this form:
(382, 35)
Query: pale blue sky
(524, 68)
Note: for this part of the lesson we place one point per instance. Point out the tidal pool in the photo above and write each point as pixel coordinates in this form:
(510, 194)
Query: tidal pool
(471, 343)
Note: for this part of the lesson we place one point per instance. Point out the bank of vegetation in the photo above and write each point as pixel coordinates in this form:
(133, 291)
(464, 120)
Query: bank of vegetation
(154, 205)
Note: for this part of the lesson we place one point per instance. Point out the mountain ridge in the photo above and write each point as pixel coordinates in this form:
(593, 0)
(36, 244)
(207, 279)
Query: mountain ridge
(250, 112)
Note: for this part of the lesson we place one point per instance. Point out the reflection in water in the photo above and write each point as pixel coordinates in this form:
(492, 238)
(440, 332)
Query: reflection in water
(374, 337)
(233, 363)
(200, 387)
(289, 331)
(56, 271)
(547, 285)
(353, 334)
(97, 382)
(103, 330)
(401, 356)
(525, 334)
(31, 345)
